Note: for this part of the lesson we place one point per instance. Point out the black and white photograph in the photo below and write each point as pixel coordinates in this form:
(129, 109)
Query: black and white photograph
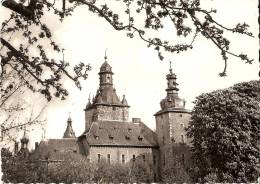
(129, 91)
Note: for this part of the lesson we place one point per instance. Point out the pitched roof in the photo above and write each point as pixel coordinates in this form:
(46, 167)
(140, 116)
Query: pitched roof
(115, 133)
(53, 147)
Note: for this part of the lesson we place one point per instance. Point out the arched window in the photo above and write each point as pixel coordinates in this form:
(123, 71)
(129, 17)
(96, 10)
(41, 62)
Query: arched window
(123, 159)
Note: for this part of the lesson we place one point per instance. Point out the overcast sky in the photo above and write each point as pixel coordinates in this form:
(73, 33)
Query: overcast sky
(138, 73)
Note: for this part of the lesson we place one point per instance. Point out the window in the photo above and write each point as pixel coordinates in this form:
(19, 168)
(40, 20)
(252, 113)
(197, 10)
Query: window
(163, 139)
(108, 158)
(183, 159)
(144, 158)
(154, 160)
(182, 139)
(96, 137)
(111, 137)
(123, 159)
(127, 137)
(173, 140)
(133, 158)
(182, 125)
(99, 158)
(180, 115)
(154, 177)
(114, 108)
(140, 138)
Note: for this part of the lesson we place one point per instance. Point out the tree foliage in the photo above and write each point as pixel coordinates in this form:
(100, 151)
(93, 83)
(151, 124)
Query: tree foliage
(17, 168)
(225, 132)
(71, 168)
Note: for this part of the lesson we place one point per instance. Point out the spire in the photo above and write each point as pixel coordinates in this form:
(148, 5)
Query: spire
(124, 101)
(105, 55)
(170, 67)
(24, 152)
(172, 84)
(24, 139)
(172, 99)
(89, 102)
(69, 133)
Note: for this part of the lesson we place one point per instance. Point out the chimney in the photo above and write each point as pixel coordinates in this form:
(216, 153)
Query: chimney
(15, 147)
(136, 120)
(36, 145)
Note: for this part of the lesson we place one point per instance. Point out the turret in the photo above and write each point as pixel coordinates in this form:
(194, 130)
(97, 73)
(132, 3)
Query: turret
(105, 75)
(106, 105)
(24, 141)
(24, 151)
(69, 133)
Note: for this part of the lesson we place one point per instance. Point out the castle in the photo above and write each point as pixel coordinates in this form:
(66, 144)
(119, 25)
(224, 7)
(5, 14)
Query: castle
(110, 135)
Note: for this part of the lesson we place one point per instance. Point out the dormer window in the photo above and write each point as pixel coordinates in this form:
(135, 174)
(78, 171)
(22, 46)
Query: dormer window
(127, 137)
(111, 137)
(96, 137)
(140, 138)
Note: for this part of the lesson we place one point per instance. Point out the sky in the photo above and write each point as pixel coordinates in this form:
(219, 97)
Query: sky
(138, 72)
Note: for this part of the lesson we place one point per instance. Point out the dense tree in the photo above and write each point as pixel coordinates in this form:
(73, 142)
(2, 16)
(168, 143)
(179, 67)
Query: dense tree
(17, 168)
(225, 132)
(71, 168)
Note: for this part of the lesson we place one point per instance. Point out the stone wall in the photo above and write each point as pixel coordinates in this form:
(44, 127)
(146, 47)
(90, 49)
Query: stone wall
(177, 124)
(170, 129)
(112, 113)
(116, 153)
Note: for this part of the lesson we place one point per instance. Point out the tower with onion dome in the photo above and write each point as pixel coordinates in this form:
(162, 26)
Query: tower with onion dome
(106, 105)
(171, 119)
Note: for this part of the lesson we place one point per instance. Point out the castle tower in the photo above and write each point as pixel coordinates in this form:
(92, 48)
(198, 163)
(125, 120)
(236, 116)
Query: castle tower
(172, 119)
(24, 152)
(69, 132)
(106, 105)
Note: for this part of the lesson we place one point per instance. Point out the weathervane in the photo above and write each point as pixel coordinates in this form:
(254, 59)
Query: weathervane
(105, 55)
(170, 66)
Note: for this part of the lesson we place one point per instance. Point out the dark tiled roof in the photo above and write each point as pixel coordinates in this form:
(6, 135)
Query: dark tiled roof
(107, 96)
(105, 68)
(114, 133)
(52, 147)
(180, 110)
